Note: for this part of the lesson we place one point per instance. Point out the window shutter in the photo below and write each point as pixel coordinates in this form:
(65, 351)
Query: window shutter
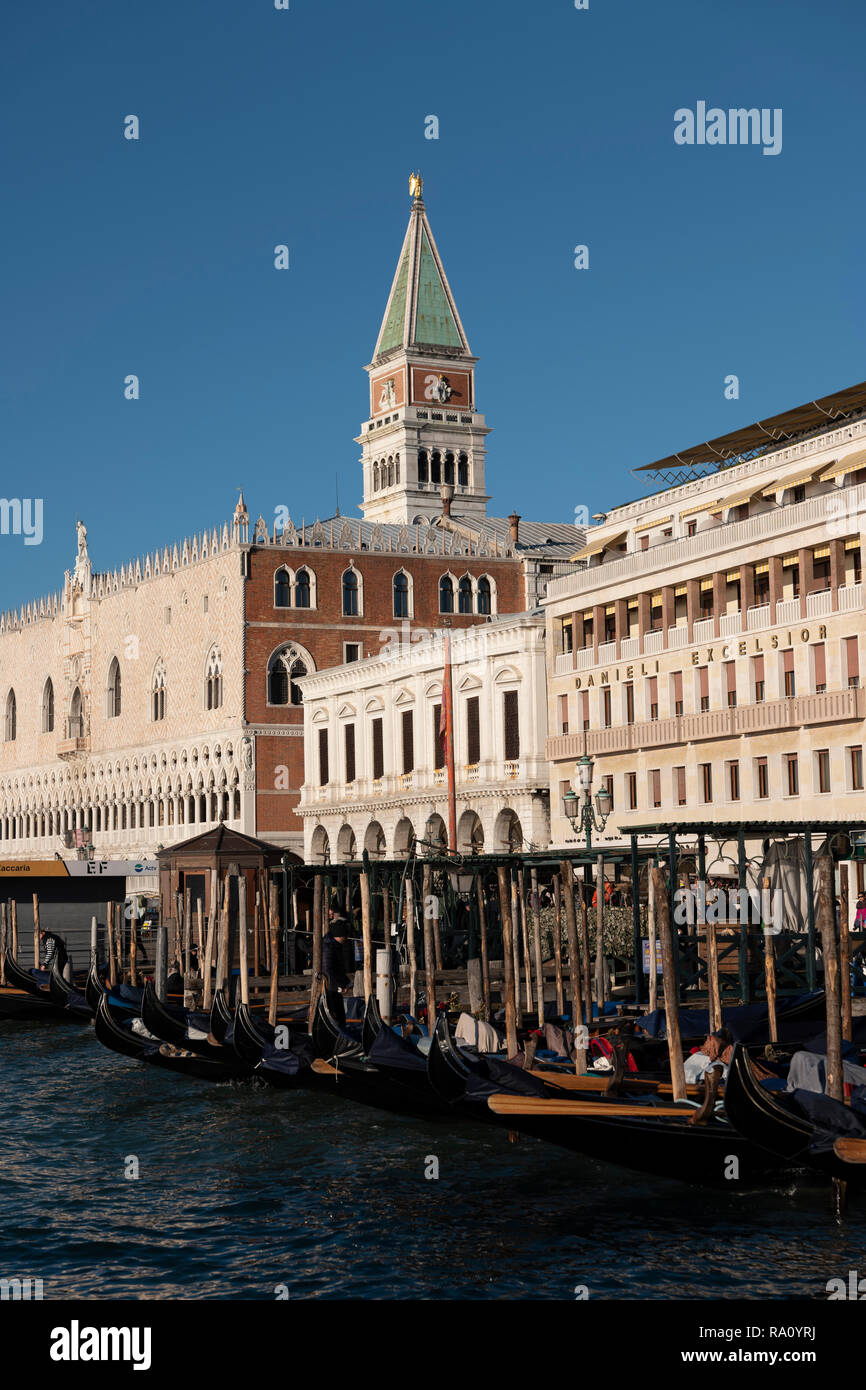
(350, 752)
(323, 757)
(473, 730)
(853, 657)
(512, 726)
(438, 739)
(378, 750)
(408, 741)
(820, 664)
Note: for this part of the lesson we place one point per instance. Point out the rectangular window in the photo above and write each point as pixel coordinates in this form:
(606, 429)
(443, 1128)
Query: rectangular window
(822, 760)
(438, 739)
(851, 656)
(631, 790)
(349, 742)
(563, 714)
(653, 697)
(706, 602)
(378, 751)
(819, 667)
(607, 783)
(655, 786)
(473, 730)
(408, 722)
(762, 779)
(691, 528)
(703, 688)
(792, 769)
(566, 635)
(731, 683)
(855, 768)
(705, 771)
(758, 678)
(790, 687)
(351, 651)
(644, 542)
(680, 785)
(677, 679)
(762, 588)
(511, 721)
(323, 757)
(820, 574)
(584, 708)
(629, 703)
(605, 705)
(733, 781)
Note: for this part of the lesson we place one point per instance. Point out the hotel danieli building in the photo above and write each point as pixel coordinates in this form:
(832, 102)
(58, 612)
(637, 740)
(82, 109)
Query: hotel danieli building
(708, 652)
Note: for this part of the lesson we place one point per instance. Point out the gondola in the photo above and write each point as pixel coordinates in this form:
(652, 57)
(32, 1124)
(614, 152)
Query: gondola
(255, 1042)
(93, 988)
(693, 1143)
(220, 1018)
(26, 980)
(181, 1028)
(820, 1140)
(119, 1036)
(21, 1005)
(65, 995)
(330, 1035)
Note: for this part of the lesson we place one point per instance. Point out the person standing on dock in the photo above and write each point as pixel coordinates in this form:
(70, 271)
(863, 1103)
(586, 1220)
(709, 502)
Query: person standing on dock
(333, 952)
(52, 947)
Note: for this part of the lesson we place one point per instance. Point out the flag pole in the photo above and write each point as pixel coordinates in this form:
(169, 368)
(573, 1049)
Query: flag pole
(448, 711)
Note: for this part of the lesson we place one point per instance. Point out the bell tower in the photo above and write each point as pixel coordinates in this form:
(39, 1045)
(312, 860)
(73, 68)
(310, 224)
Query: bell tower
(423, 430)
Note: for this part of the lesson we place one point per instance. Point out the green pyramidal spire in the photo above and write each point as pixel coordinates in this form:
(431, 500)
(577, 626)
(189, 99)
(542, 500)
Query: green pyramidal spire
(421, 312)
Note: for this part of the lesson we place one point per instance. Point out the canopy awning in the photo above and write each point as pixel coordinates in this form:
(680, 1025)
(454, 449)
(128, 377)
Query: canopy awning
(839, 468)
(805, 475)
(716, 502)
(746, 495)
(597, 546)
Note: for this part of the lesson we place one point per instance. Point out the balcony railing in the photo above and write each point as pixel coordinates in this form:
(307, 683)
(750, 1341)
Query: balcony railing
(788, 611)
(629, 648)
(678, 636)
(704, 630)
(606, 652)
(833, 706)
(563, 662)
(512, 771)
(730, 624)
(714, 541)
(654, 642)
(819, 604)
(850, 597)
(585, 658)
(758, 617)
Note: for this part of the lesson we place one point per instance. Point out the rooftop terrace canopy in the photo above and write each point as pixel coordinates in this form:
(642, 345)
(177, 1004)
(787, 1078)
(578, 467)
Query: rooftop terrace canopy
(763, 435)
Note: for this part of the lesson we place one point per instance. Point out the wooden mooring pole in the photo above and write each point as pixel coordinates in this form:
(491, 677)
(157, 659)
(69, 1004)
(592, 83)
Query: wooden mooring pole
(653, 977)
(845, 947)
(485, 952)
(133, 944)
(35, 931)
(410, 945)
(509, 985)
(242, 940)
(109, 932)
(429, 948)
(274, 935)
(535, 908)
(669, 977)
(367, 930)
(826, 922)
(13, 914)
(2, 943)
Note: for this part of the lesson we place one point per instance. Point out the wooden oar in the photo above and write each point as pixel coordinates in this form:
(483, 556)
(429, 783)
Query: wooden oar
(567, 1081)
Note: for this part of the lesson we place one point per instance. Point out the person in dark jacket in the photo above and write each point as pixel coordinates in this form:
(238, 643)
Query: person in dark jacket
(333, 953)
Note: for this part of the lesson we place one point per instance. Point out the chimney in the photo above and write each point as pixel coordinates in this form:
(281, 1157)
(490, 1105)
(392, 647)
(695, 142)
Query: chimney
(446, 492)
(514, 523)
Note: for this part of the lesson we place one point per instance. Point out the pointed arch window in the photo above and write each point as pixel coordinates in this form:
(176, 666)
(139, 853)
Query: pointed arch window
(284, 669)
(375, 477)
(402, 606)
(296, 695)
(449, 468)
(464, 595)
(396, 468)
(463, 471)
(214, 679)
(113, 691)
(48, 707)
(484, 603)
(10, 732)
(423, 466)
(158, 692)
(351, 607)
(76, 714)
(282, 588)
(446, 594)
(302, 589)
(436, 467)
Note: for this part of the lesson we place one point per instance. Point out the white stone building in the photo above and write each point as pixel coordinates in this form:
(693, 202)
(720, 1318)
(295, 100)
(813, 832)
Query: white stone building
(374, 756)
(710, 650)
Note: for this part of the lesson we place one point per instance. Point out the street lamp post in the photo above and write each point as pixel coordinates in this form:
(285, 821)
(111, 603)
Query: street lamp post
(579, 810)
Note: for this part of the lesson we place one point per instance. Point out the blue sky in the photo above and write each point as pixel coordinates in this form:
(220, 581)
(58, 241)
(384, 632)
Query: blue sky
(261, 127)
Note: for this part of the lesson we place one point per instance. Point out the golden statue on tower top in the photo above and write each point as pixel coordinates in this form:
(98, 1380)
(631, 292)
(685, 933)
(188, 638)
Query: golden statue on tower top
(416, 185)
